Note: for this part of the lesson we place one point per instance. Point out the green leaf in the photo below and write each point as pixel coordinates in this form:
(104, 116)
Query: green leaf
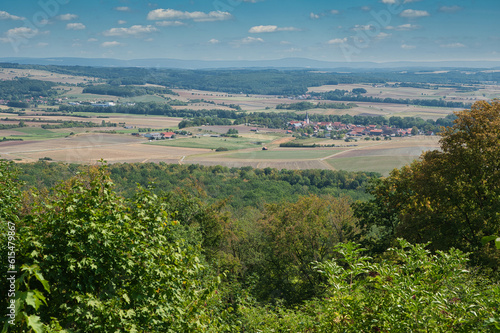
(35, 323)
(5, 328)
(497, 243)
(32, 300)
(487, 239)
(42, 280)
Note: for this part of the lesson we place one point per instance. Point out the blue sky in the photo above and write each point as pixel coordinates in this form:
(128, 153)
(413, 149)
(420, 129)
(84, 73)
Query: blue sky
(356, 30)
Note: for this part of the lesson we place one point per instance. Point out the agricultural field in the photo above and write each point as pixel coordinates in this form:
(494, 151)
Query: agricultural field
(35, 74)
(115, 144)
(88, 145)
(384, 156)
(91, 147)
(208, 142)
(388, 110)
(284, 154)
(483, 92)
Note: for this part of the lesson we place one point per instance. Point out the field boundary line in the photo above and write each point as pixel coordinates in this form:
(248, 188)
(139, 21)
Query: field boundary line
(345, 151)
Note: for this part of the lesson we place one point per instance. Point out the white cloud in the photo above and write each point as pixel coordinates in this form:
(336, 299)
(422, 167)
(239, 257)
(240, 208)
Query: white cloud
(359, 27)
(410, 1)
(403, 27)
(412, 13)
(285, 42)
(450, 9)
(170, 23)
(41, 44)
(92, 40)
(293, 50)
(263, 28)
(123, 9)
(251, 40)
(452, 45)
(289, 29)
(366, 8)
(122, 22)
(408, 47)
(214, 41)
(383, 35)
(172, 14)
(22, 32)
(67, 17)
(134, 30)
(75, 26)
(111, 44)
(314, 16)
(6, 16)
(270, 28)
(337, 41)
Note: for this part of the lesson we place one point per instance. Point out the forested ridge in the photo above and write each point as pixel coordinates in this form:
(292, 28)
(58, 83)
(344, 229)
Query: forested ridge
(418, 254)
(263, 81)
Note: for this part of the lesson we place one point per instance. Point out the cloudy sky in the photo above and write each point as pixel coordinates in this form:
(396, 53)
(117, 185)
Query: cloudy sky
(356, 30)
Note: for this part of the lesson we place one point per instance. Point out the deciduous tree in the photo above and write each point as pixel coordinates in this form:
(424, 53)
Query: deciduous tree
(450, 197)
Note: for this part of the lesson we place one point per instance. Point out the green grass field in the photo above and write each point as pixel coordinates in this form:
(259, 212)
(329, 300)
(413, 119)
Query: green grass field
(37, 133)
(292, 154)
(210, 143)
(142, 99)
(381, 164)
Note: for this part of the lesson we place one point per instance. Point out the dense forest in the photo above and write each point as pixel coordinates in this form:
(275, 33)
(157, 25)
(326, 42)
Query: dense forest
(262, 81)
(125, 91)
(241, 187)
(420, 253)
(23, 89)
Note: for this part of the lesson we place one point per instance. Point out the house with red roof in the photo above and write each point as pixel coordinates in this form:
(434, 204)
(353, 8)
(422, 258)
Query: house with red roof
(168, 135)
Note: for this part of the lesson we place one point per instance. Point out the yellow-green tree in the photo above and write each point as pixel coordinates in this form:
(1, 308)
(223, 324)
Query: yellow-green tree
(295, 236)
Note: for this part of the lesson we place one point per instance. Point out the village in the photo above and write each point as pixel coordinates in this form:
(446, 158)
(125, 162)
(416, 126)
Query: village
(341, 130)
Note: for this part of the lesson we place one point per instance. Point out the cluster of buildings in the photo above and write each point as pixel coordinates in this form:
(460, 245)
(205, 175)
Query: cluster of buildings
(349, 129)
(159, 136)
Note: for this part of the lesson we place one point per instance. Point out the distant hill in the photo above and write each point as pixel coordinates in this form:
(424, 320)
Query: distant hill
(287, 63)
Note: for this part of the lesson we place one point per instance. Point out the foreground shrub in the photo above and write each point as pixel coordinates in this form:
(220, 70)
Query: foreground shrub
(411, 290)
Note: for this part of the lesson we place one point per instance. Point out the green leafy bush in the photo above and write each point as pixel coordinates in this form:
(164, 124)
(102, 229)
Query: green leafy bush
(112, 264)
(411, 290)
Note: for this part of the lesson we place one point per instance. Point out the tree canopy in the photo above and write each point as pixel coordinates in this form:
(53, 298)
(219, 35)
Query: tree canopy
(451, 196)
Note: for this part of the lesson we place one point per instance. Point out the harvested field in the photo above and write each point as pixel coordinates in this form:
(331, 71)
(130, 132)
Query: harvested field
(34, 74)
(380, 164)
(383, 156)
(207, 142)
(387, 109)
(294, 154)
(242, 129)
(89, 148)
